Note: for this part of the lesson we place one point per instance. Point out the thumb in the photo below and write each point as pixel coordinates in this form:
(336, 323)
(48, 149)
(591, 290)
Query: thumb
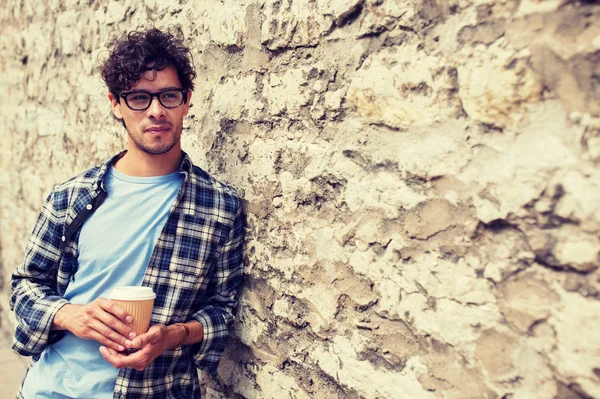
(153, 336)
(139, 341)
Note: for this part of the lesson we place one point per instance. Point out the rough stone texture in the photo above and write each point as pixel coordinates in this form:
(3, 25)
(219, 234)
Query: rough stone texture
(421, 179)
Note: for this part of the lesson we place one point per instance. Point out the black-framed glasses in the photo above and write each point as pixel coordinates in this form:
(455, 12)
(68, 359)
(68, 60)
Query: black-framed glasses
(140, 100)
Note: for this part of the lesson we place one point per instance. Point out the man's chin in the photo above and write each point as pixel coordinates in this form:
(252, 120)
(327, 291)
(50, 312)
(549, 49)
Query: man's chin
(157, 151)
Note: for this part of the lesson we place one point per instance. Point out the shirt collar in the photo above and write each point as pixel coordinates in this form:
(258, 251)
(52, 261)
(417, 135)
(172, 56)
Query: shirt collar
(185, 167)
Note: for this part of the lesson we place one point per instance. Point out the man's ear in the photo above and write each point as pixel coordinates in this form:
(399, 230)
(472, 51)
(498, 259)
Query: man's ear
(116, 106)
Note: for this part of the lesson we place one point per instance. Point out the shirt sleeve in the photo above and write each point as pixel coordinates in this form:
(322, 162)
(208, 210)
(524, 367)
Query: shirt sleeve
(34, 297)
(218, 315)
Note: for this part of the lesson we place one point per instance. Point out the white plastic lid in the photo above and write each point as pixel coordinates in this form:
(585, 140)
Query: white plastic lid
(132, 293)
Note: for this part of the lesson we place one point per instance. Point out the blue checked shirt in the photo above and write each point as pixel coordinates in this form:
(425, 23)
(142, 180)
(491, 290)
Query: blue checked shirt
(195, 271)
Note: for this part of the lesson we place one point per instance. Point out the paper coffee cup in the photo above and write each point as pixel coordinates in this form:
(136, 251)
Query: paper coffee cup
(138, 302)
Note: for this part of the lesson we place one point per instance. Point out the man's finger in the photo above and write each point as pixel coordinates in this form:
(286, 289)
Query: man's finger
(153, 336)
(140, 341)
(104, 334)
(111, 307)
(107, 342)
(99, 332)
(113, 357)
(117, 326)
(135, 360)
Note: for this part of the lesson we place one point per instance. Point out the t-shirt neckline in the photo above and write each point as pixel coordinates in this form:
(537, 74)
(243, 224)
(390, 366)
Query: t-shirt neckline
(145, 179)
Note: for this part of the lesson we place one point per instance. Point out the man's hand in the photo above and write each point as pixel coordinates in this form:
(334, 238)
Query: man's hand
(153, 344)
(101, 320)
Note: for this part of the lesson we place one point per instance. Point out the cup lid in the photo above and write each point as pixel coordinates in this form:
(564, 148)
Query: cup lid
(129, 293)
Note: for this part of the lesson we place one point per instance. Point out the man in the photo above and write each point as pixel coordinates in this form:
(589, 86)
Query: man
(147, 217)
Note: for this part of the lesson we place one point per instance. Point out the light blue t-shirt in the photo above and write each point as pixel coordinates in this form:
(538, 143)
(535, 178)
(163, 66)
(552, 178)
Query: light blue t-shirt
(115, 246)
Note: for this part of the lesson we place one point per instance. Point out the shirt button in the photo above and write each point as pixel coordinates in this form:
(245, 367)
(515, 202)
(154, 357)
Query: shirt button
(88, 207)
(63, 238)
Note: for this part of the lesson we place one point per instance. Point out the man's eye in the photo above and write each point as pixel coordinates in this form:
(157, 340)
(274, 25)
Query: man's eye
(138, 97)
(170, 95)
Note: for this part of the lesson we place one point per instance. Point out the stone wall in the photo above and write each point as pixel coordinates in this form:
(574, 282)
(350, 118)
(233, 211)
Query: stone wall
(421, 179)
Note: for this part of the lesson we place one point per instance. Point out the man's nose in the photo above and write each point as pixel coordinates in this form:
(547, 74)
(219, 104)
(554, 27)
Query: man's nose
(155, 109)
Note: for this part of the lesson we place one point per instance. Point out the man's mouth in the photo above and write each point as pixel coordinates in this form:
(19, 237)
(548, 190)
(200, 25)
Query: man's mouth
(158, 129)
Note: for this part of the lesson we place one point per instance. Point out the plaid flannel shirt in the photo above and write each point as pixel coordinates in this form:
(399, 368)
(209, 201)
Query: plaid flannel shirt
(195, 270)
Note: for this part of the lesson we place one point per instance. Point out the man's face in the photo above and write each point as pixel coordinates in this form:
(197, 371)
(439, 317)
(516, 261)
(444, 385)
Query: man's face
(156, 130)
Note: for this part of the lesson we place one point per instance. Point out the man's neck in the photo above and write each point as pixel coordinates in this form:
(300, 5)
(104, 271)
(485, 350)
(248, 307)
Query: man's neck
(142, 164)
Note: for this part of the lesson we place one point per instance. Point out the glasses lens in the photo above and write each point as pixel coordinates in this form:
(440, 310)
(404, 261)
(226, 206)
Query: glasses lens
(138, 100)
(171, 98)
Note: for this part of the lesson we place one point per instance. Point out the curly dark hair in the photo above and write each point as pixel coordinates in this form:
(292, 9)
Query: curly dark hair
(140, 51)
